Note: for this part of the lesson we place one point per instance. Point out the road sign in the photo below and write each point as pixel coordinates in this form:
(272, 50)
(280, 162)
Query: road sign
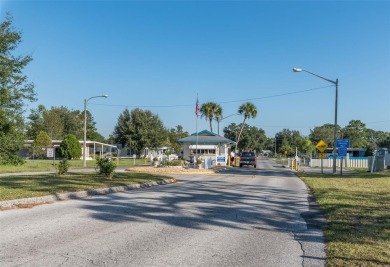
(342, 151)
(321, 146)
(322, 156)
(50, 152)
(342, 143)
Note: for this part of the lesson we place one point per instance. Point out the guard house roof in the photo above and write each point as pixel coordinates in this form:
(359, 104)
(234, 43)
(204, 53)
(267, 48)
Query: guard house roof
(205, 137)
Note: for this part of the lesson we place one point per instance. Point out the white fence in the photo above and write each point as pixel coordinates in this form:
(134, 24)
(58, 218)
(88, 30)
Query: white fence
(350, 163)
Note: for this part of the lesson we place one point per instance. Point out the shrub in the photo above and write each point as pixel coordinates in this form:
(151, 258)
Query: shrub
(70, 147)
(105, 166)
(63, 167)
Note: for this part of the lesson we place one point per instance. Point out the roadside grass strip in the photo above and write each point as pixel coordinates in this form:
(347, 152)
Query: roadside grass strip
(49, 165)
(29, 186)
(357, 208)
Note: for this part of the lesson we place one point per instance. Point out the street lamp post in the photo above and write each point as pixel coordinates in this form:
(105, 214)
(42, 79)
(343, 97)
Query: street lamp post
(221, 119)
(85, 127)
(336, 83)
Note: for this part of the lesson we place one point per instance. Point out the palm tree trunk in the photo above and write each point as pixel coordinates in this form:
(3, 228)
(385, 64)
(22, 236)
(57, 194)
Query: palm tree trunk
(239, 135)
(211, 125)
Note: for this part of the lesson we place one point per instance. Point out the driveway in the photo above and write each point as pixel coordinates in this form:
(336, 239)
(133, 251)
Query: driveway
(239, 217)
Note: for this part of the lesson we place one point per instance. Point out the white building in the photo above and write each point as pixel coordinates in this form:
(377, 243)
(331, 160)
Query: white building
(207, 146)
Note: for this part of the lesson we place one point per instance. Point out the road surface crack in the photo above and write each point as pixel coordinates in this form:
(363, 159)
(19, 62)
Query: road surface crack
(301, 245)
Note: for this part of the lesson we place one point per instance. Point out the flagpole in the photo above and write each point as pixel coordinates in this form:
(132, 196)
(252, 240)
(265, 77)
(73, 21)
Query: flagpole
(196, 147)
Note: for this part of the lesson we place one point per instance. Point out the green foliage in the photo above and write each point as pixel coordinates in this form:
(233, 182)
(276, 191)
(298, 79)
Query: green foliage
(60, 121)
(41, 142)
(70, 147)
(105, 166)
(15, 90)
(63, 167)
(139, 129)
(173, 136)
(249, 111)
(211, 110)
(324, 132)
(368, 152)
(356, 132)
(252, 138)
(175, 162)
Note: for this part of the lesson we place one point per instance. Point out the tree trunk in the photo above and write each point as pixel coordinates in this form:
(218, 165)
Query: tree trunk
(239, 135)
(211, 125)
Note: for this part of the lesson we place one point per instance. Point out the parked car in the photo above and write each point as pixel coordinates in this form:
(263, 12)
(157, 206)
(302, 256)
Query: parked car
(248, 158)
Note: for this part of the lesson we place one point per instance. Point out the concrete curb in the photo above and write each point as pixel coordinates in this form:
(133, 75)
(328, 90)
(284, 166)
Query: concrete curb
(15, 203)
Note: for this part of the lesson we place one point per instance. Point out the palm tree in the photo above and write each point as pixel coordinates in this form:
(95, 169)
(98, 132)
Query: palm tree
(211, 110)
(249, 110)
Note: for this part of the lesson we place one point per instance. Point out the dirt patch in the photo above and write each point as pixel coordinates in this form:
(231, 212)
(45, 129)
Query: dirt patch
(168, 170)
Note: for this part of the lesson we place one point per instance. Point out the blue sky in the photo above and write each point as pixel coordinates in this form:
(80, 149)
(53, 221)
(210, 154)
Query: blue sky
(159, 55)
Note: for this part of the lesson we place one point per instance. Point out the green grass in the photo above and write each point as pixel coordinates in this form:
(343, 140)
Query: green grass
(47, 165)
(24, 186)
(357, 207)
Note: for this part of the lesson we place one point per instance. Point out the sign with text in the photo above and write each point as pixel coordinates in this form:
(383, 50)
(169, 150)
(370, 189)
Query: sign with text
(342, 145)
(321, 146)
(50, 152)
(322, 155)
(221, 159)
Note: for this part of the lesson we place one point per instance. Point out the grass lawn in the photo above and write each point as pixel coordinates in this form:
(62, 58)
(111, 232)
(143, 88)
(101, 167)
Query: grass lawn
(24, 186)
(47, 165)
(358, 211)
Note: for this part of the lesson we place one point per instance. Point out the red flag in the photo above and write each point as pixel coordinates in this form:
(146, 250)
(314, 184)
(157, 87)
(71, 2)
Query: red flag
(197, 107)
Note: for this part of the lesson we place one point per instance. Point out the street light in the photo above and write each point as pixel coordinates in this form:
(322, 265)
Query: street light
(218, 119)
(85, 126)
(336, 83)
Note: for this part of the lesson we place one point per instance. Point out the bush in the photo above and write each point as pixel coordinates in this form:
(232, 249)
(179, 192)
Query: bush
(62, 167)
(70, 147)
(175, 162)
(105, 166)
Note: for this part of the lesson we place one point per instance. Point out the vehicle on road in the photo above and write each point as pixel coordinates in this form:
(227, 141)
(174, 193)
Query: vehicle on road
(248, 158)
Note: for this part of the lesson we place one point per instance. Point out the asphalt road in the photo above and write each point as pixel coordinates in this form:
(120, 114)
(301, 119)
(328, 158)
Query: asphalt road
(239, 217)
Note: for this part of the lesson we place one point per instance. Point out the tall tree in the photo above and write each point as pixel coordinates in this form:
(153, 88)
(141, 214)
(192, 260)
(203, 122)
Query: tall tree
(324, 132)
(41, 143)
(356, 132)
(249, 111)
(175, 134)
(14, 91)
(252, 138)
(60, 121)
(211, 110)
(140, 129)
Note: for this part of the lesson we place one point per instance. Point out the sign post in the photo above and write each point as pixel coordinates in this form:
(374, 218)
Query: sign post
(342, 145)
(322, 146)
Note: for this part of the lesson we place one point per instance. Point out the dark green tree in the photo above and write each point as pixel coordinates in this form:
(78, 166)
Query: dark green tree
(60, 121)
(14, 91)
(356, 132)
(324, 132)
(252, 138)
(140, 129)
(70, 148)
(41, 143)
(175, 134)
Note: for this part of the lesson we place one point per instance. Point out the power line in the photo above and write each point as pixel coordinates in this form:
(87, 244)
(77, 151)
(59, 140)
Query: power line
(223, 102)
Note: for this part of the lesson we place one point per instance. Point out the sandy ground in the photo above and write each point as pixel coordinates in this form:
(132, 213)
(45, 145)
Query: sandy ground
(168, 170)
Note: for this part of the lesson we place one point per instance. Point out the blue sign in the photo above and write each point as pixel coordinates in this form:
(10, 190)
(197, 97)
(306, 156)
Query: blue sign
(220, 159)
(342, 145)
(342, 151)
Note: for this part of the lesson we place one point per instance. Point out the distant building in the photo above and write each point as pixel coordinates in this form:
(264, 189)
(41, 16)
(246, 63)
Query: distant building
(93, 149)
(206, 145)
